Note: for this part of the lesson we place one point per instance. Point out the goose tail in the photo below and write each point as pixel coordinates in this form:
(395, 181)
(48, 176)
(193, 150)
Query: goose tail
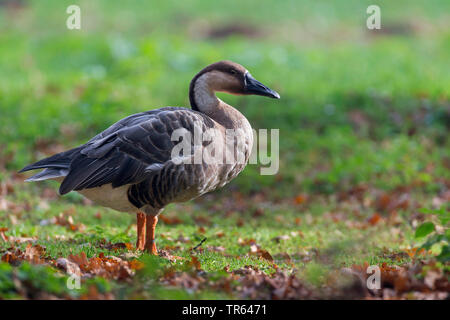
(55, 166)
(48, 173)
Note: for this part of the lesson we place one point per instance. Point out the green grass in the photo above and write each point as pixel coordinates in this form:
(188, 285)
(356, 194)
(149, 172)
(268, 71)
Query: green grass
(357, 108)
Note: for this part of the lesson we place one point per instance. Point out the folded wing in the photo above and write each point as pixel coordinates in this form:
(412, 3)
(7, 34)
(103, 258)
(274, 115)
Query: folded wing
(124, 153)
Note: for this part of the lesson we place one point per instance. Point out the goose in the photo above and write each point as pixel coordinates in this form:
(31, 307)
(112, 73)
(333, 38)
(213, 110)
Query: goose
(132, 167)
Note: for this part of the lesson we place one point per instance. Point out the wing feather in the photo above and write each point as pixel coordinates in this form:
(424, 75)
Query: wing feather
(129, 150)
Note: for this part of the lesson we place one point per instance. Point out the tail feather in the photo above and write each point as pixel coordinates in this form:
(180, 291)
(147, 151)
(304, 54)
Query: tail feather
(58, 161)
(48, 173)
(55, 166)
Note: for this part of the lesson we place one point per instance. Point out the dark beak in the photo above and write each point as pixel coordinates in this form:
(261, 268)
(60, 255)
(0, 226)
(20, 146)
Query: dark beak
(253, 86)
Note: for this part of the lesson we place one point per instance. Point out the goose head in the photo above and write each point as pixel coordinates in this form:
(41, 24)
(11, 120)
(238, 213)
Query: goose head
(224, 76)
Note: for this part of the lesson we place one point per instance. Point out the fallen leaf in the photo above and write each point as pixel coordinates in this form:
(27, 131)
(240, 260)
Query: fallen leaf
(169, 220)
(196, 263)
(374, 219)
(301, 198)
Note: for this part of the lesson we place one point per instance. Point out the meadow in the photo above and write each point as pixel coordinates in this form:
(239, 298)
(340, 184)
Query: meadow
(363, 179)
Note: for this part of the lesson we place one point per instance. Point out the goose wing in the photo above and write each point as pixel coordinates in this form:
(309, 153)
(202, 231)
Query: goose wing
(131, 148)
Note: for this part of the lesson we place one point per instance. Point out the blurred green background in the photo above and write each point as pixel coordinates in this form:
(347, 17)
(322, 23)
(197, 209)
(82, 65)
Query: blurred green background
(357, 105)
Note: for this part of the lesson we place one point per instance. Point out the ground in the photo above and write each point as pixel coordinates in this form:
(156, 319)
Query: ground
(364, 120)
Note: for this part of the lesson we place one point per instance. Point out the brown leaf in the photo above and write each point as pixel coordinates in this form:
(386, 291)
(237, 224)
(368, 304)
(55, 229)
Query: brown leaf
(117, 246)
(136, 265)
(258, 213)
(388, 202)
(374, 219)
(246, 242)
(411, 252)
(266, 255)
(196, 263)
(80, 260)
(65, 219)
(11, 258)
(219, 234)
(33, 254)
(169, 221)
(202, 220)
(2, 234)
(201, 230)
(68, 266)
(301, 198)
(285, 256)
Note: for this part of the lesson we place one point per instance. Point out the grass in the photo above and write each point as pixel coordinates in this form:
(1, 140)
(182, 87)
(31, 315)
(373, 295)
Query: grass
(359, 109)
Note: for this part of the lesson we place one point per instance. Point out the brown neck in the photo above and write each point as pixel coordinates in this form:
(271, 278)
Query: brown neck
(203, 99)
(194, 105)
(201, 95)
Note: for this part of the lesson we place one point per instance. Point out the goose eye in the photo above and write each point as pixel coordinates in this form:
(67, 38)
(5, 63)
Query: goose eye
(232, 71)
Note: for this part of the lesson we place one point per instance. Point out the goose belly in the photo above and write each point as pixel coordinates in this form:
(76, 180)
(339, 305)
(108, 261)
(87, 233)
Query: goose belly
(114, 198)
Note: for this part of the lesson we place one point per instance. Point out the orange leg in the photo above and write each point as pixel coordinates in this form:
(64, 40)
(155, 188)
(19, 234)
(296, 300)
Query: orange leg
(141, 218)
(150, 245)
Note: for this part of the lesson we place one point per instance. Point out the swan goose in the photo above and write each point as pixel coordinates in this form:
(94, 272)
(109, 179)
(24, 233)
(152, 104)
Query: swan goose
(129, 167)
